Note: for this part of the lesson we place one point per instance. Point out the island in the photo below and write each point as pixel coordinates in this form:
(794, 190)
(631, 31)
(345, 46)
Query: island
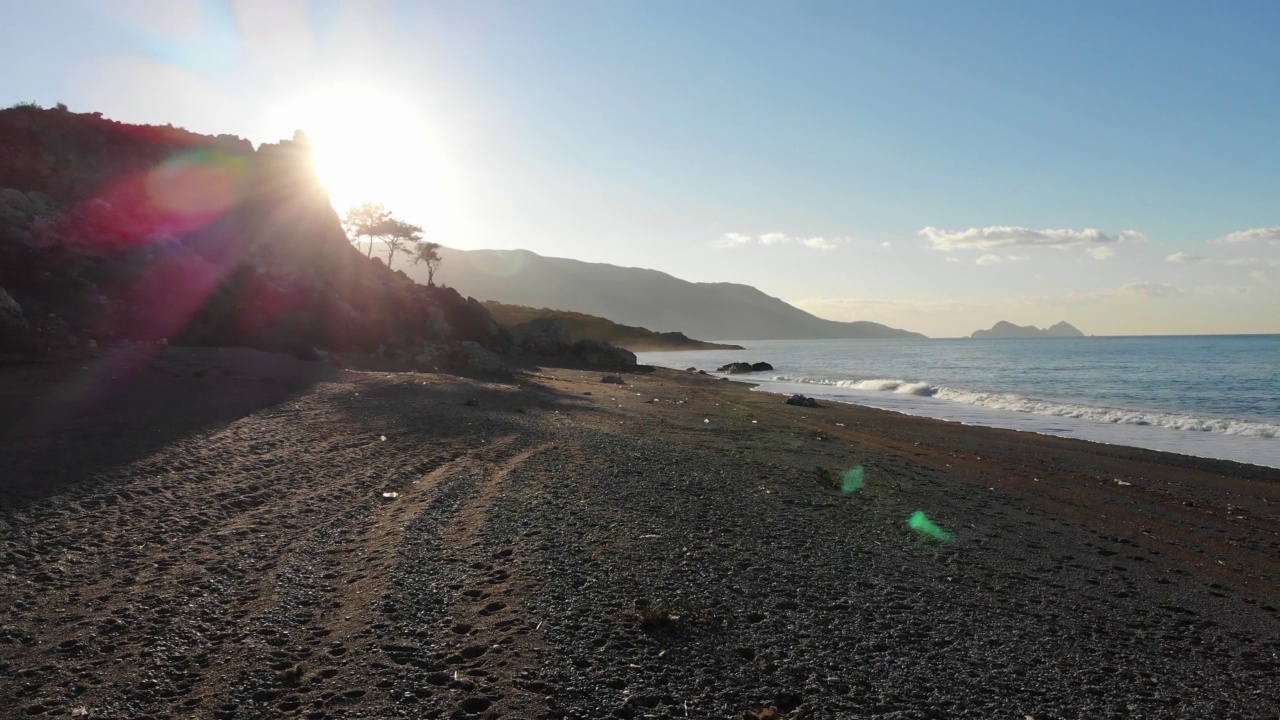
(1005, 329)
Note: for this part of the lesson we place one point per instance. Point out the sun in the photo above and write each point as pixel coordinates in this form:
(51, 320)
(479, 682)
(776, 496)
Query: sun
(372, 145)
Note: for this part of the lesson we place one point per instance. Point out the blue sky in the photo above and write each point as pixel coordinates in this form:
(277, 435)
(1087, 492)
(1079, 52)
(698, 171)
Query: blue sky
(892, 161)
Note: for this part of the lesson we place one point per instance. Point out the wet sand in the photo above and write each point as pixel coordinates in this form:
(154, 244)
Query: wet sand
(227, 534)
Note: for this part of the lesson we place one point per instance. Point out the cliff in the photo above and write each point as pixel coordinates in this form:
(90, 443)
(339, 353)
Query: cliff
(113, 232)
(1004, 329)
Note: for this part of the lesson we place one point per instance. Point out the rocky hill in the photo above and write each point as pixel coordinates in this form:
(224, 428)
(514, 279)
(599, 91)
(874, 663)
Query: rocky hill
(112, 232)
(1004, 329)
(581, 326)
(639, 297)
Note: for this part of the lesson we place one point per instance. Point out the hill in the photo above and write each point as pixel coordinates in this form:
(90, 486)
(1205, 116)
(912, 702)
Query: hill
(639, 297)
(111, 232)
(589, 327)
(1004, 329)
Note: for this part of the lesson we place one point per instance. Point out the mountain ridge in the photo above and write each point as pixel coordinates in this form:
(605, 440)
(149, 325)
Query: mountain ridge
(640, 297)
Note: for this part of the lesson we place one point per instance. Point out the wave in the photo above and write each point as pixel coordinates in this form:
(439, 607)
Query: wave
(1018, 403)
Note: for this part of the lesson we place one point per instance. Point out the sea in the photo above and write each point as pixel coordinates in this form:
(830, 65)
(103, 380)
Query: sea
(1214, 396)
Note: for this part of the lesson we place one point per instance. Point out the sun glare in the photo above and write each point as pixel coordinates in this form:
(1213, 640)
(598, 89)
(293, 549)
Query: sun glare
(371, 145)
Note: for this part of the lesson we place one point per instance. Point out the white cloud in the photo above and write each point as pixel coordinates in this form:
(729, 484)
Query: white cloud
(992, 259)
(1266, 234)
(1150, 290)
(1253, 261)
(1258, 275)
(1007, 236)
(1101, 252)
(951, 258)
(1130, 290)
(845, 307)
(1184, 257)
(732, 240)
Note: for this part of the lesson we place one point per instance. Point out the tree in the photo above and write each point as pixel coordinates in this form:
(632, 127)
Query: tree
(429, 253)
(366, 221)
(396, 234)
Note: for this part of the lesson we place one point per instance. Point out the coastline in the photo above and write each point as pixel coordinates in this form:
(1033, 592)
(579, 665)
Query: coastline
(1239, 426)
(557, 546)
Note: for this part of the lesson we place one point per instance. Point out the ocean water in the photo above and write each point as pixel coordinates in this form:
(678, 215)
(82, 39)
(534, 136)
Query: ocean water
(1209, 396)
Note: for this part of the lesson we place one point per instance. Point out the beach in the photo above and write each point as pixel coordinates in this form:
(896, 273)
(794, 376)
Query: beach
(227, 533)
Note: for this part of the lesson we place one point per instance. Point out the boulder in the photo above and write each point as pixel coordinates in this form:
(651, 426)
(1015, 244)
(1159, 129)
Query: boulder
(760, 367)
(612, 380)
(802, 401)
(735, 368)
(547, 337)
(11, 315)
(597, 353)
(467, 357)
(481, 361)
(691, 369)
(13, 324)
(16, 201)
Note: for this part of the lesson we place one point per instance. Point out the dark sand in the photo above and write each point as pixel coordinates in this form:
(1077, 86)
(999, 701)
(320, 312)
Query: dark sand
(204, 534)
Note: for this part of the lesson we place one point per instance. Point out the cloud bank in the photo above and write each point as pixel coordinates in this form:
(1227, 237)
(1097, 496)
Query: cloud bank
(1266, 234)
(993, 259)
(1185, 257)
(732, 240)
(1008, 236)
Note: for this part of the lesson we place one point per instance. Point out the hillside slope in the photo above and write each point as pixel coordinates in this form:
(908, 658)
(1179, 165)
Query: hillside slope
(635, 296)
(111, 232)
(589, 327)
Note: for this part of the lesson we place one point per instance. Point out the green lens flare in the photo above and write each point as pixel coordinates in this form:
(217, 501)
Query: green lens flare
(852, 480)
(922, 524)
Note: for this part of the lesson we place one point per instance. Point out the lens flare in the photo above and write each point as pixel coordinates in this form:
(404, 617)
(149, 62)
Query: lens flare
(852, 480)
(923, 525)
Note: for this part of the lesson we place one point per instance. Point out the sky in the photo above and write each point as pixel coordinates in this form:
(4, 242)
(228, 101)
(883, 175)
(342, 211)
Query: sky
(936, 166)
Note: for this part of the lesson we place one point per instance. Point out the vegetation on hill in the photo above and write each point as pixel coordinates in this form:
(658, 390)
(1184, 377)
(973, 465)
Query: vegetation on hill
(589, 327)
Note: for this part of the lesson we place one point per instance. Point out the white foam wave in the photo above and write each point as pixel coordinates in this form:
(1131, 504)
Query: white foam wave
(1018, 403)
(902, 387)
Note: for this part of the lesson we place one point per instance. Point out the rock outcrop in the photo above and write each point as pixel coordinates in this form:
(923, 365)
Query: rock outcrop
(112, 232)
(802, 401)
(551, 339)
(744, 367)
(542, 337)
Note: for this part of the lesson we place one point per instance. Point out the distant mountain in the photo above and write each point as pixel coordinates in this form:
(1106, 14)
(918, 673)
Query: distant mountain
(634, 296)
(1005, 329)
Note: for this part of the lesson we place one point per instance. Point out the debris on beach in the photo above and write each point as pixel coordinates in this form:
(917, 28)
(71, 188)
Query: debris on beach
(391, 495)
(802, 401)
(612, 380)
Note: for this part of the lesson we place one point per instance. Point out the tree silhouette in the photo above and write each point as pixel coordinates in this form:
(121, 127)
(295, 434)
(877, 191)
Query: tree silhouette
(366, 221)
(396, 234)
(429, 253)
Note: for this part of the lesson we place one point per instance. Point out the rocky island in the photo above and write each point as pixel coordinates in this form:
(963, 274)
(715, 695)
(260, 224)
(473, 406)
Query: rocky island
(1004, 329)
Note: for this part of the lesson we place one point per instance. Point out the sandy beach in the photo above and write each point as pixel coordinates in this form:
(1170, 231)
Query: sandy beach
(234, 534)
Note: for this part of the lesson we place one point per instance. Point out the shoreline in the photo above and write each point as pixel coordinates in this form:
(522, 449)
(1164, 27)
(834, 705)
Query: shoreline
(1243, 448)
(293, 538)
